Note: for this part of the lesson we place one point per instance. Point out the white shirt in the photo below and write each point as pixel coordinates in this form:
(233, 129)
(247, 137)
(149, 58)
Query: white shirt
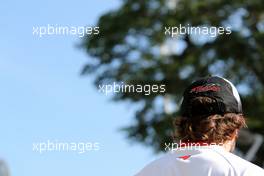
(202, 161)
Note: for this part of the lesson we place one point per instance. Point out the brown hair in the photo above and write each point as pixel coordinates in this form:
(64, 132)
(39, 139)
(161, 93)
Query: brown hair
(210, 129)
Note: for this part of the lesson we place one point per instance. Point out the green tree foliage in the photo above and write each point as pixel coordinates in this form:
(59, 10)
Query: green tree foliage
(129, 47)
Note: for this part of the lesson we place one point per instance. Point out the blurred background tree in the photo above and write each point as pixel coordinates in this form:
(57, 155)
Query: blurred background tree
(132, 48)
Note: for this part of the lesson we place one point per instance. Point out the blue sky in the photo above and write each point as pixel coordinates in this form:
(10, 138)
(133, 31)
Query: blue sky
(43, 97)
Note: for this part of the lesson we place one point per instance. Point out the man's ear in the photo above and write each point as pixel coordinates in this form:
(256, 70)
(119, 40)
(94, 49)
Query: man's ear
(235, 135)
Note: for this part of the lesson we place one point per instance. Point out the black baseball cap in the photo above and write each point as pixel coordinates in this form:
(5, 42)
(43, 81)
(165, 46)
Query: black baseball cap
(224, 94)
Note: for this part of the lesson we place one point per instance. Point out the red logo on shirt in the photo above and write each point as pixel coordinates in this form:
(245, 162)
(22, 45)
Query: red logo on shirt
(185, 157)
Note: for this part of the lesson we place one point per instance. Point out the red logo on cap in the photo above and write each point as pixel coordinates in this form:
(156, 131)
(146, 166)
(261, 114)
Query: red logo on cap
(213, 87)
